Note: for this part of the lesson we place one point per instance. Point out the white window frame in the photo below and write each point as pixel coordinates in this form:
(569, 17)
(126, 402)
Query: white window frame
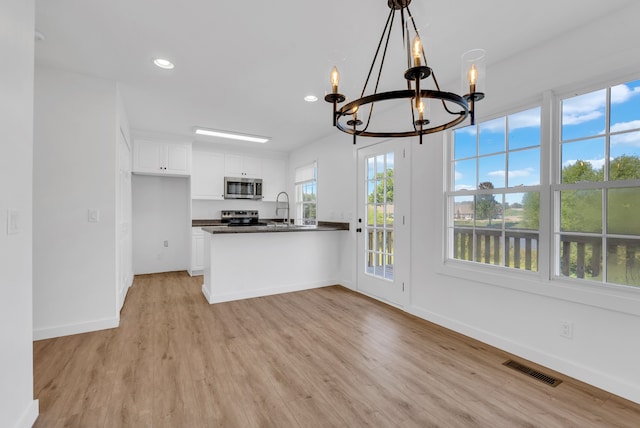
(541, 188)
(621, 298)
(557, 186)
(306, 174)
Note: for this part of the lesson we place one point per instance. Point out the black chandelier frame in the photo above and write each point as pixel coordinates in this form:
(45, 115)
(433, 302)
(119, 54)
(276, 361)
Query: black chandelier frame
(415, 74)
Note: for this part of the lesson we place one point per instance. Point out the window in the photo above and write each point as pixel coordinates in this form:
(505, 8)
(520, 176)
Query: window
(597, 192)
(306, 195)
(496, 188)
(494, 202)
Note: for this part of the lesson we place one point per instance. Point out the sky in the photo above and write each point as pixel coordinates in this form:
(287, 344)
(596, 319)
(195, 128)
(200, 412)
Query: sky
(513, 143)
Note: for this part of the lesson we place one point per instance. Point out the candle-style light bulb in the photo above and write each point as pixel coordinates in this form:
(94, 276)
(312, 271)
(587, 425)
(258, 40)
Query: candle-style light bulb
(417, 50)
(335, 79)
(421, 109)
(473, 77)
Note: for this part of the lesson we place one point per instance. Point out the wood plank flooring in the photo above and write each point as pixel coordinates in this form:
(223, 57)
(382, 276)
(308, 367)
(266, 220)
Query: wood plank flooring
(321, 358)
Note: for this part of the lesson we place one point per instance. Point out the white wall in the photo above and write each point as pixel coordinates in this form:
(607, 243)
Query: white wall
(17, 406)
(336, 178)
(520, 316)
(75, 146)
(161, 213)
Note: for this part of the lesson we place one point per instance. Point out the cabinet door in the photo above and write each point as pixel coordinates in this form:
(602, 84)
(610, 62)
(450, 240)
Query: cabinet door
(273, 178)
(207, 175)
(197, 250)
(243, 166)
(252, 167)
(233, 165)
(178, 159)
(148, 157)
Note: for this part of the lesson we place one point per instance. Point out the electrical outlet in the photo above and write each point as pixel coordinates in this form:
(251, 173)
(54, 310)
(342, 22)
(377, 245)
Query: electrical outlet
(166, 243)
(566, 329)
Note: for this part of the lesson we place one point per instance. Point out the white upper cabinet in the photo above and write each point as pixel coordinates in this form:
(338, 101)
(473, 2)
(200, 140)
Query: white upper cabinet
(207, 175)
(162, 158)
(242, 166)
(273, 178)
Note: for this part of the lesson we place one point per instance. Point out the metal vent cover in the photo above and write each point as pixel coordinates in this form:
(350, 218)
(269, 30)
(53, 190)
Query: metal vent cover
(549, 380)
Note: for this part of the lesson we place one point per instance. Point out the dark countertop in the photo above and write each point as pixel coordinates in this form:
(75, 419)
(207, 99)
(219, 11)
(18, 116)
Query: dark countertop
(217, 227)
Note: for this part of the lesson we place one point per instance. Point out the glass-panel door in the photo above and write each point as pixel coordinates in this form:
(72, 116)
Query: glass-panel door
(383, 220)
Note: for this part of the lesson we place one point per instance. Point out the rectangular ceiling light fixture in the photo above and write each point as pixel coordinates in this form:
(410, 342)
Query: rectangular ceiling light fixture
(231, 135)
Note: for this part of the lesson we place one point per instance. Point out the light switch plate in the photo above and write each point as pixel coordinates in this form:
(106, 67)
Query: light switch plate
(93, 215)
(13, 222)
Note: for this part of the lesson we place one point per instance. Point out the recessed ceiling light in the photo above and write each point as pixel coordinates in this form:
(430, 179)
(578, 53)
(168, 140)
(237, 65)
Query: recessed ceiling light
(163, 63)
(231, 135)
(311, 98)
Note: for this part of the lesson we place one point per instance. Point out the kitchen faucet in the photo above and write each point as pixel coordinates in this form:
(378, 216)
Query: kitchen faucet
(278, 208)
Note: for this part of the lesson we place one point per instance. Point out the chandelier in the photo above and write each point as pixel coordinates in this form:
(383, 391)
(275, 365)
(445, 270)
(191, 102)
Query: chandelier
(455, 108)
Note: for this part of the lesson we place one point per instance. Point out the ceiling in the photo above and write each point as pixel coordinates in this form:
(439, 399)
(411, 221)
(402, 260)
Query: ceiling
(247, 65)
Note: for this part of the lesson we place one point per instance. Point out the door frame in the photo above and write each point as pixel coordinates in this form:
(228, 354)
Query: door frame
(399, 294)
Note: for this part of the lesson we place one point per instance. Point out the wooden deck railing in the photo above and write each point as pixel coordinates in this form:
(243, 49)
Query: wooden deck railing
(522, 247)
(580, 256)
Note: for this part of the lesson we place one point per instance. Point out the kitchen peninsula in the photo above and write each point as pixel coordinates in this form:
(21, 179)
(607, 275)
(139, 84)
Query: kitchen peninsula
(251, 261)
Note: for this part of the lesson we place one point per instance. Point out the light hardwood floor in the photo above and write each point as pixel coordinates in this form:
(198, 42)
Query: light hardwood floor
(318, 358)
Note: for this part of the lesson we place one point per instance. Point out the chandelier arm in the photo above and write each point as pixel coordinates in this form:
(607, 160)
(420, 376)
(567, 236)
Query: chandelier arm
(444, 105)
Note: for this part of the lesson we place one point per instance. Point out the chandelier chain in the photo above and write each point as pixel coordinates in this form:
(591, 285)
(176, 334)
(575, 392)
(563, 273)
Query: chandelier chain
(384, 54)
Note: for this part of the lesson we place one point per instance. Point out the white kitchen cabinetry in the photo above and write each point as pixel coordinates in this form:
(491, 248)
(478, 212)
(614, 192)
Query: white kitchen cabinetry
(273, 178)
(197, 251)
(207, 175)
(162, 158)
(243, 166)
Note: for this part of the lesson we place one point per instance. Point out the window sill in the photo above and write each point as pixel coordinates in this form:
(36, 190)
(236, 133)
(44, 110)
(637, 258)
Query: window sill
(621, 299)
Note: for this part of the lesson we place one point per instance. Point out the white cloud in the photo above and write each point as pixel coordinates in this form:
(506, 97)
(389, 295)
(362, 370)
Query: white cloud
(495, 125)
(464, 187)
(469, 130)
(458, 175)
(578, 118)
(516, 173)
(622, 93)
(526, 119)
(583, 108)
(591, 106)
(629, 139)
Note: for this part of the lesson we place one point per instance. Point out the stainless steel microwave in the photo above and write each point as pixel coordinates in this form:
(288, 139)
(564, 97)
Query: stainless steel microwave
(242, 188)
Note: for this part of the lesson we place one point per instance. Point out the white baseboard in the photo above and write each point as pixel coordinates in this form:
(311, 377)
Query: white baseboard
(69, 329)
(228, 297)
(198, 272)
(347, 284)
(29, 416)
(570, 368)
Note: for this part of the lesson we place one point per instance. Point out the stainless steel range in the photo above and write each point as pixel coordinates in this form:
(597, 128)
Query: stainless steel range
(241, 218)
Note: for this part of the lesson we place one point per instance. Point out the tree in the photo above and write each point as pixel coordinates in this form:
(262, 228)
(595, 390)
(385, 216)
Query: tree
(379, 194)
(579, 171)
(486, 204)
(625, 167)
(531, 210)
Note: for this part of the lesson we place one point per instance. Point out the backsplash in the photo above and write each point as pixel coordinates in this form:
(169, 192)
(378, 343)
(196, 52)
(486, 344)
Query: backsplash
(210, 210)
